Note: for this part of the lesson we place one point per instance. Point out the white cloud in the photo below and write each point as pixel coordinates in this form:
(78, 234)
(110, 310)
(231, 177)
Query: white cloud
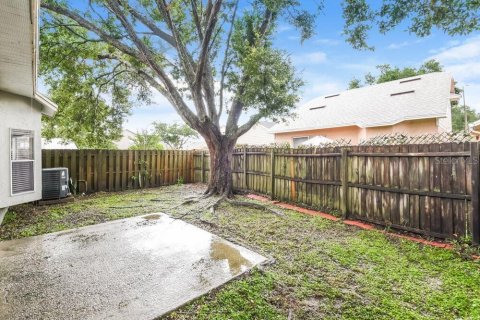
(284, 27)
(327, 41)
(462, 60)
(466, 71)
(398, 45)
(469, 49)
(360, 68)
(317, 57)
(318, 85)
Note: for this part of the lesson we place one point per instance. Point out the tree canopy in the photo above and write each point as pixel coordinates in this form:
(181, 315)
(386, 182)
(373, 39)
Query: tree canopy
(146, 140)
(454, 17)
(458, 116)
(211, 59)
(389, 73)
(174, 135)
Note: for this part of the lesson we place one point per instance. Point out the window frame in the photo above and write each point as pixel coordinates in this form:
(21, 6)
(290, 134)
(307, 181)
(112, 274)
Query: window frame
(32, 132)
(299, 137)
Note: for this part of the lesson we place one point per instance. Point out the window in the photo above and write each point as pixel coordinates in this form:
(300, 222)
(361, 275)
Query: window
(410, 80)
(298, 141)
(400, 93)
(22, 161)
(319, 107)
(332, 95)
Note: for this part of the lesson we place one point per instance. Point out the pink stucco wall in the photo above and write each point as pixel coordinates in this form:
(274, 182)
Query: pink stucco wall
(355, 134)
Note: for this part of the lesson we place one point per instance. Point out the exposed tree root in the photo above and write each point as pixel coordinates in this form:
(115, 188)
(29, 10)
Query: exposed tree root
(290, 315)
(213, 206)
(254, 206)
(209, 201)
(129, 207)
(209, 223)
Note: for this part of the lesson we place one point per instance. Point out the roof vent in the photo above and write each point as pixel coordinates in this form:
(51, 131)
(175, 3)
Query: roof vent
(410, 80)
(333, 95)
(320, 107)
(400, 93)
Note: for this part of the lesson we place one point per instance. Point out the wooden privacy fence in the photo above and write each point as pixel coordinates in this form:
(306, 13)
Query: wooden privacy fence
(115, 170)
(428, 189)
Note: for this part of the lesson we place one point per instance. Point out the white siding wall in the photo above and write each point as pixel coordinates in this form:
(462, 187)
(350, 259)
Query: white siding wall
(17, 112)
(256, 136)
(445, 124)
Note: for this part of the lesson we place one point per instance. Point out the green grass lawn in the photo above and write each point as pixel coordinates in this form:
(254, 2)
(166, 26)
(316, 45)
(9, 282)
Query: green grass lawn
(322, 269)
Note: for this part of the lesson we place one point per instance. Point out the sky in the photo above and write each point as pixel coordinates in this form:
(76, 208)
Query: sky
(327, 63)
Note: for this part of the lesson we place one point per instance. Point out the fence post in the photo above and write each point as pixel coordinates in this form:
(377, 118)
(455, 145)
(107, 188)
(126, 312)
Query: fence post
(203, 166)
(272, 174)
(245, 167)
(475, 214)
(344, 180)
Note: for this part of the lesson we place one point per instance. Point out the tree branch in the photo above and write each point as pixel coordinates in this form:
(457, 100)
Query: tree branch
(92, 27)
(237, 106)
(248, 125)
(196, 19)
(225, 59)
(152, 26)
(203, 67)
(212, 21)
(185, 59)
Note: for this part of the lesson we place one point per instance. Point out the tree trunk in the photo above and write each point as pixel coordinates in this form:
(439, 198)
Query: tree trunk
(221, 155)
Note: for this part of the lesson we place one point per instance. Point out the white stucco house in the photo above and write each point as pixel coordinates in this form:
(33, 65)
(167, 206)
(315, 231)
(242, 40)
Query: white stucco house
(126, 141)
(258, 135)
(21, 105)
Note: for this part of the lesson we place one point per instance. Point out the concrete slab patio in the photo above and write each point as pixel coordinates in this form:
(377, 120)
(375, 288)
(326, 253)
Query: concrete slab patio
(137, 268)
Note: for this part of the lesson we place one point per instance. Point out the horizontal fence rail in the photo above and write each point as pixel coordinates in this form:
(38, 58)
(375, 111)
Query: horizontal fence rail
(430, 189)
(116, 170)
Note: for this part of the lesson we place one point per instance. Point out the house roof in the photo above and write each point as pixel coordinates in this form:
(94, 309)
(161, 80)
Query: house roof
(19, 50)
(266, 124)
(420, 97)
(57, 143)
(475, 128)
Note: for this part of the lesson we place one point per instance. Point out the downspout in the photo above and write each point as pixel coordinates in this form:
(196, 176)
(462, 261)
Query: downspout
(3, 211)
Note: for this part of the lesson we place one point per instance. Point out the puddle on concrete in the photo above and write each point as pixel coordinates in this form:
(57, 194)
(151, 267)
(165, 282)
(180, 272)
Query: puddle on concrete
(7, 251)
(220, 250)
(152, 217)
(87, 239)
(116, 270)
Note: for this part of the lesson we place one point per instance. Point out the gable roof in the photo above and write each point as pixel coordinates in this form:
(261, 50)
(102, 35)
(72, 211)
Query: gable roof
(19, 51)
(266, 124)
(419, 97)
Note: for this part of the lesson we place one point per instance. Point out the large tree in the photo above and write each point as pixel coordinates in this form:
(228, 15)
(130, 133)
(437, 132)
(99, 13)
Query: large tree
(214, 60)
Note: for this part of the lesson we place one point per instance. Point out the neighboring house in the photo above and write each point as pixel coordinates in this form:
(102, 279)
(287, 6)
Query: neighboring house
(125, 141)
(258, 135)
(57, 143)
(475, 129)
(21, 105)
(315, 141)
(413, 106)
